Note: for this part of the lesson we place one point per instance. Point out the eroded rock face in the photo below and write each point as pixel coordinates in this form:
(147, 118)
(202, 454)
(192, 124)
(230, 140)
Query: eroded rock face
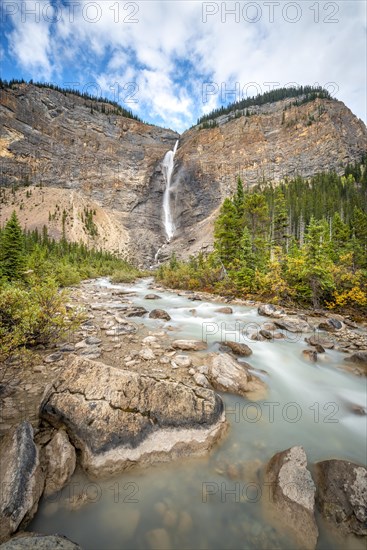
(342, 495)
(227, 375)
(21, 479)
(292, 495)
(61, 461)
(119, 418)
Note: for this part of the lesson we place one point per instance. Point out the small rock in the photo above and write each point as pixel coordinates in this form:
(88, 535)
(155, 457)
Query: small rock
(317, 340)
(170, 518)
(147, 354)
(184, 522)
(293, 325)
(65, 348)
(310, 354)
(266, 333)
(331, 325)
(201, 380)
(39, 368)
(227, 310)
(148, 340)
(360, 358)
(319, 348)
(152, 297)
(61, 461)
(158, 539)
(269, 310)
(159, 314)
(182, 361)
(238, 349)
(93, 341)
(54, 357)
(189, 345)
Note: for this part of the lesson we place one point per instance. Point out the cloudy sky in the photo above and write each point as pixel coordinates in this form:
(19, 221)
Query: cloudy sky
(171, 61)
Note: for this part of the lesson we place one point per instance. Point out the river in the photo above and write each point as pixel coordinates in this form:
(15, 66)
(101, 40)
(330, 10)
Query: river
(217, 502)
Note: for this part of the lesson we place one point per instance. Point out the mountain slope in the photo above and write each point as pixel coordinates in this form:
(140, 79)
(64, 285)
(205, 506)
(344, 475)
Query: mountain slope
(64, 141)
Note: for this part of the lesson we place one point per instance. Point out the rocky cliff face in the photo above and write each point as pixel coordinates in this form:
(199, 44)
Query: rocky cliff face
(62, 141)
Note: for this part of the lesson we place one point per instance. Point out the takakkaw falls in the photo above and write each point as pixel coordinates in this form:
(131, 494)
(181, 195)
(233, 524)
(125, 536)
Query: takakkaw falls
(183, 334)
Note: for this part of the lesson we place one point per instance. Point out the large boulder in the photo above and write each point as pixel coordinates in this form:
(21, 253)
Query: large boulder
(32, 541)
(189, 345)
(270, 311)
(119, 418)
(61, 461)
(342, 495)
(292, 496)
(21, 479)
(293, 324)
(228, 375)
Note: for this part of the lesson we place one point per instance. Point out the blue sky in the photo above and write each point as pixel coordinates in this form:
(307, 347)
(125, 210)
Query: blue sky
(172, 61)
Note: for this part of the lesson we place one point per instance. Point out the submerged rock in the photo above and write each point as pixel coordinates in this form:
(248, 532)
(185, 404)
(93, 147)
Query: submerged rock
(342, 495)
(119, 418)
(292, 496)
(152, 297)
(21, 479)
(359, 357)
(310, 355)
(226, 309)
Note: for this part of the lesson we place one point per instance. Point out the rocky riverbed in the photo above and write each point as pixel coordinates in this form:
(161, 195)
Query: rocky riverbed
(136, 385)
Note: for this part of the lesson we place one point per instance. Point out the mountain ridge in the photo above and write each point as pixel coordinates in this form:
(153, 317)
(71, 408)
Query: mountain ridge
(56, 141)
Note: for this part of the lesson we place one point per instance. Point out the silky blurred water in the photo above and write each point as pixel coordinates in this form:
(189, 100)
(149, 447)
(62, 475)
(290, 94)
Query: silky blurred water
(201, 503)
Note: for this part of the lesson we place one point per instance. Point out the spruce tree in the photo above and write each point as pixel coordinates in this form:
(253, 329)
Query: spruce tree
(280, 231)
(226, 233)
(12, 249)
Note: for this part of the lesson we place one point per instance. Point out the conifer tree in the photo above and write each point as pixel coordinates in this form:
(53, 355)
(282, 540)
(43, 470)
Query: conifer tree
(12, 249)
(226, 233)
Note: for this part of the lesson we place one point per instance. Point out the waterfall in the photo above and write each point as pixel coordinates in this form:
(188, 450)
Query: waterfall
(167, 167)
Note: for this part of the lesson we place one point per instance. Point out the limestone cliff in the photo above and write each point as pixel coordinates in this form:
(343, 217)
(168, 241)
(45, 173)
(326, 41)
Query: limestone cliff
(113, 163)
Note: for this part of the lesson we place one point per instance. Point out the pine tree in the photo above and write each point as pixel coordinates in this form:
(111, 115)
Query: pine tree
(317, 262)
(226, 233)
(12, 249)
(239, 200)
(280, 231)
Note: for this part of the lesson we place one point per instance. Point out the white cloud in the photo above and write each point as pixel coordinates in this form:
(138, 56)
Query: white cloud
(169, 53)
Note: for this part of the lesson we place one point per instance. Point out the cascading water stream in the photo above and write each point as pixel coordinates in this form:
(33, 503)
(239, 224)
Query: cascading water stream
(168, 165)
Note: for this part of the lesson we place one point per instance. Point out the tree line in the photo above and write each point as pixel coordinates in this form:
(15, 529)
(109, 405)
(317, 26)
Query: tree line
(305, 93)
(303, 242)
